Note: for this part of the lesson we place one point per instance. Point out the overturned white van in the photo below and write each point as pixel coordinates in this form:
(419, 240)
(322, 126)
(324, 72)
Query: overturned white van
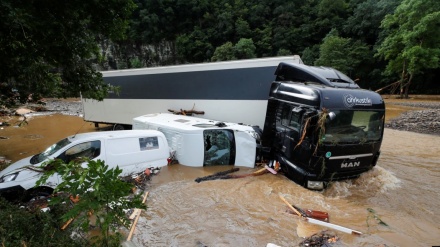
(133, 151)
(201, 142)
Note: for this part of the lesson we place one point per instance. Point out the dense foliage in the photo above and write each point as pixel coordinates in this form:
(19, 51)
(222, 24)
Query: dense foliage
(99, 191)
(52, 46)
(47, 47)
(21, 227)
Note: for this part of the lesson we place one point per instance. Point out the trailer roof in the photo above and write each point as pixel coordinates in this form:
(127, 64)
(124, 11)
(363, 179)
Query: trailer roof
(233, 64)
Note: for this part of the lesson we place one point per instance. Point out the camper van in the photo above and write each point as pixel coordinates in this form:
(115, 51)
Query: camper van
(131, 151)
(201, 142)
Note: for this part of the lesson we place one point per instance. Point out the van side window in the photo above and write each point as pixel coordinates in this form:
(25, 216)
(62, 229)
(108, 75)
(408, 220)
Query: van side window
(88, 150)
(148, 143)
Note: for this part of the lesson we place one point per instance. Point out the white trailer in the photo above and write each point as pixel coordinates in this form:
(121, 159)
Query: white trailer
(233, 91)
(201, 142)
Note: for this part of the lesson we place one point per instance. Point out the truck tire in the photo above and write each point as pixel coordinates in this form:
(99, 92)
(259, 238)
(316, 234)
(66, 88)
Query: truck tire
(121, 127)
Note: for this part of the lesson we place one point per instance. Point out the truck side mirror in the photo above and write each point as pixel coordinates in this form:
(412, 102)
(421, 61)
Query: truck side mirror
(331, 115)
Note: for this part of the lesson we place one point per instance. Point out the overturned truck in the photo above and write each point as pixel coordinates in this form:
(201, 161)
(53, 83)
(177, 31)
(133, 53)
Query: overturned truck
(321, 126)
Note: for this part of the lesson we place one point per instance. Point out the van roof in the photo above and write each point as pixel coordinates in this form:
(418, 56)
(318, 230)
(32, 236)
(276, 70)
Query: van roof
(114, 134)
(187, 123)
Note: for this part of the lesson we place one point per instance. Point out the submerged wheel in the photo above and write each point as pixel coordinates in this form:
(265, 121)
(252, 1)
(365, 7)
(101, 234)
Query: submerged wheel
(121, 127)
(38, 193)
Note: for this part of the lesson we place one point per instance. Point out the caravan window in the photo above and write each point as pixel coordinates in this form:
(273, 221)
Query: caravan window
(219, 147)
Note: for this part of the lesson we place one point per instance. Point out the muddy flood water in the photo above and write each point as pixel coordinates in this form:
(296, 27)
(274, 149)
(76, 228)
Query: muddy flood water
(402, 191)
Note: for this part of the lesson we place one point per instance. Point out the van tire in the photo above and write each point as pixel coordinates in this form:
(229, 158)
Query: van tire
(37, 193)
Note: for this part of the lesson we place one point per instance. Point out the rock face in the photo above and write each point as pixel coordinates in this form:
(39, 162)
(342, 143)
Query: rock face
(421, 121)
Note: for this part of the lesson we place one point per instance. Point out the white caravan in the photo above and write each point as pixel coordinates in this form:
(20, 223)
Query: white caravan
(232, 91)
(132, 151)
(201, 142)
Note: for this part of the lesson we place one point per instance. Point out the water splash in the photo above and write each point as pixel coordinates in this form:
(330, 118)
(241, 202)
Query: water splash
(377, 180)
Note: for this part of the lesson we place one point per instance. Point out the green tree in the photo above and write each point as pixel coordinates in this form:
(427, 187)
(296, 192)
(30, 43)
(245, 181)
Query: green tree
(366, 19)
(342, 53)
(244, 49)
(47, 47)
(224, 52)
(412, 40)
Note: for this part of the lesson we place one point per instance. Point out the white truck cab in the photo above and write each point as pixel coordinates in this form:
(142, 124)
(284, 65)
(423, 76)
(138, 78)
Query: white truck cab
(133, 151)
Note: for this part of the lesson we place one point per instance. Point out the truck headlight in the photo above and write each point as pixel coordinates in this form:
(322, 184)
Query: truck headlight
(315, 185)
(9, 177)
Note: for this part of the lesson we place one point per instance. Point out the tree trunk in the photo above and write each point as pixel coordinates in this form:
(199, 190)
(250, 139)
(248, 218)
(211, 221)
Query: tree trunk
(407, 86)
(402, 80)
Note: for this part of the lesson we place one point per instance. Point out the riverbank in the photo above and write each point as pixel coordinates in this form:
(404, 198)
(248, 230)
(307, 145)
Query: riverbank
(425, 120)
(421, 115)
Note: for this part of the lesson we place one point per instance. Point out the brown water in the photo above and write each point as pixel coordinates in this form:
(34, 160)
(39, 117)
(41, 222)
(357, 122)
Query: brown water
(403, 190)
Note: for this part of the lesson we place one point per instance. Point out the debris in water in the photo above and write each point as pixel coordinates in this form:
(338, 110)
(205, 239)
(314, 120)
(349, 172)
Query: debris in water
(323, 238)
(373, 214)
(140, 179)
(216, 175)
(226, 175)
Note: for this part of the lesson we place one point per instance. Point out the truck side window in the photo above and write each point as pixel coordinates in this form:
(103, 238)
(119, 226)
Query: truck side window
(295, 120)
(88, 150)
(285, 115)
(290, 118)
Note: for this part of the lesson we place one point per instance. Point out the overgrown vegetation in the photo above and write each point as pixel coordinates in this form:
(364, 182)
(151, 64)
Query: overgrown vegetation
(98, 192)
(21, 227)
(54, 48)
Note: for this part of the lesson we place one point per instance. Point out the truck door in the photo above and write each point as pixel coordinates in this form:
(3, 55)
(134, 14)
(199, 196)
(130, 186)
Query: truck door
(291, 120)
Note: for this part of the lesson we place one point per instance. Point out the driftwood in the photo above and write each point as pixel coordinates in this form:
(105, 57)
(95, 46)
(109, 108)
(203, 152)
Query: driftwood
(392, 84)
(226, 175)
(186, 112)
(133, 226)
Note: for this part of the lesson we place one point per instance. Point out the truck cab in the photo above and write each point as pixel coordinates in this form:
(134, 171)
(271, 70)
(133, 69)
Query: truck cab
(321, 126)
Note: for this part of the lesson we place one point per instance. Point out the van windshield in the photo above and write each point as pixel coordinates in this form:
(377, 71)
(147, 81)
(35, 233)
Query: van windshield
(350, 126)
(49, 151)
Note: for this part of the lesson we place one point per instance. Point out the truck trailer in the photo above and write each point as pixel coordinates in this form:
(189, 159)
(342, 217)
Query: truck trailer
(216, 89)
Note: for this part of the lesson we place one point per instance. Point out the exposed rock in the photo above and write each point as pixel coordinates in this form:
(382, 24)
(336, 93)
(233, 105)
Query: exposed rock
(421, 121)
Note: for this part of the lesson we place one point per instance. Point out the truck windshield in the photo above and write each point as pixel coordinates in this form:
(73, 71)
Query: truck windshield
(49, 151)
(350, 126)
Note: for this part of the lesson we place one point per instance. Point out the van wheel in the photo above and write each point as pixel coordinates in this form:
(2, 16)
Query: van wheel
(38, 193)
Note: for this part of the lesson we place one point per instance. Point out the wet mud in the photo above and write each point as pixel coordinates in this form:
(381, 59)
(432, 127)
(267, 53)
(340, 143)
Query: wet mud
(401, 191)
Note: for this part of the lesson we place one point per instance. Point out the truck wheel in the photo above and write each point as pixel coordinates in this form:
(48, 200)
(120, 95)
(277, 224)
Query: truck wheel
(118, 127)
